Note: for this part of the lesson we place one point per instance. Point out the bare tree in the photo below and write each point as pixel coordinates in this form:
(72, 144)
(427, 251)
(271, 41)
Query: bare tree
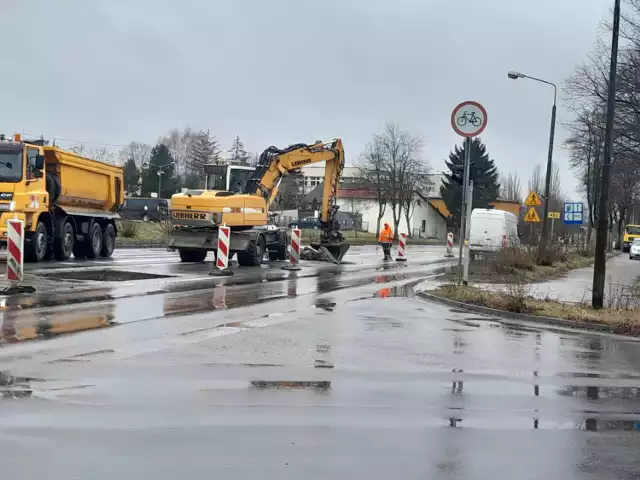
(536, 181)
(392, 164)
(140, 152)
(101, 154)
(354, 209)
(510, 188)
(179, 144)
(417, 184)
(371, 171)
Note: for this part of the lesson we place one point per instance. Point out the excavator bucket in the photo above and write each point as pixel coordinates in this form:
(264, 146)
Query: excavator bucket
(332, 252)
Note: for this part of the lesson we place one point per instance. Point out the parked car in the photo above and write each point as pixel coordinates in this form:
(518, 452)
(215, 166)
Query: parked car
(306, 223)
(146, 209)
(634, 249)
(492, 230)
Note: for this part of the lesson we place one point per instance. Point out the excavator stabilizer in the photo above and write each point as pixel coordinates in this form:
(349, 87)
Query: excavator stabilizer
(333, 252)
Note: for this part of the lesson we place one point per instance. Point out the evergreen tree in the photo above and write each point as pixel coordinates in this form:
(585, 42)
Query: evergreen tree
(237, 154)
(483, 173)
(131, 176)
(162, 161)
(204, 149)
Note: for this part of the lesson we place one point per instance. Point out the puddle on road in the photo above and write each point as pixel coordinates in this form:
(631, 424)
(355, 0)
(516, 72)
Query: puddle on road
(14, 387)
(291, 384)
(23, 325)
(103, 275)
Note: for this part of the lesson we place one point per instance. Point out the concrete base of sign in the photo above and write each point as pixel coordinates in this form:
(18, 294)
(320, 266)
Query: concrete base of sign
(227, 272)
(17, 290)
(291, 267)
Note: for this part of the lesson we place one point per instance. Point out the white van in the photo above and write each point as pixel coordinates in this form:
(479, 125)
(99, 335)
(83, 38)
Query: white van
(492, 230)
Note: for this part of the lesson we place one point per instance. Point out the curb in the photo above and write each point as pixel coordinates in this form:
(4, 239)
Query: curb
(523, 317)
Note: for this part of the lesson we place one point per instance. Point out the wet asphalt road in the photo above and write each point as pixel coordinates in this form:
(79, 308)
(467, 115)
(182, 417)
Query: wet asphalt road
(339, 374)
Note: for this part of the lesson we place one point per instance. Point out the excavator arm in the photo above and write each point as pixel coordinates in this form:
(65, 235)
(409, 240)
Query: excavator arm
(275, 164)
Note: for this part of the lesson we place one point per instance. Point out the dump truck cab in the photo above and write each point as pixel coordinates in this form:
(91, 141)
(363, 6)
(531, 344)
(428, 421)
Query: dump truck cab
(23, 189)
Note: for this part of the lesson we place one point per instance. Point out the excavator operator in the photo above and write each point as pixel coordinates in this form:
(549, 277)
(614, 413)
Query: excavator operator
(385, 239)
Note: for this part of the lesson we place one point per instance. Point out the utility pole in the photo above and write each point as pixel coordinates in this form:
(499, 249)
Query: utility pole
(547, 182)
(600, 265)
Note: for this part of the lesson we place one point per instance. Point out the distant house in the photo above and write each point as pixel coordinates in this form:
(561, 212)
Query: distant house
(357, 200)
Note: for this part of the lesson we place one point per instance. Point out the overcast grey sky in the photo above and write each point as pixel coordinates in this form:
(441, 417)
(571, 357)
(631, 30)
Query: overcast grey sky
(288, 71)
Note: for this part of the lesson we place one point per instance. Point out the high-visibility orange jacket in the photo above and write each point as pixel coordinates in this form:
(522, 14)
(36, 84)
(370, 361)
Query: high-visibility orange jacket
(386, 235)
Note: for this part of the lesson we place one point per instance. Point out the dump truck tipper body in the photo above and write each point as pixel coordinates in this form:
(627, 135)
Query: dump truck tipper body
(68, 203)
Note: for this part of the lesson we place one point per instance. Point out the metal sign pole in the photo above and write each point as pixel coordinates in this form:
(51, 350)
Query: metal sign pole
(463, 210)
(467, 250)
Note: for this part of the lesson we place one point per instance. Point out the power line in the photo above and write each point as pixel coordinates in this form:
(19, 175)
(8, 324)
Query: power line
(35, 135)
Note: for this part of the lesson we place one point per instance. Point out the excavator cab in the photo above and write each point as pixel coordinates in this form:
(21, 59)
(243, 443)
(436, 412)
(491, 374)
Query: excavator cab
(229, 178)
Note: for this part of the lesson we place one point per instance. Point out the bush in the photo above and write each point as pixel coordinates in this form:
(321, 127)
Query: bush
(128, 229)
(520, 258)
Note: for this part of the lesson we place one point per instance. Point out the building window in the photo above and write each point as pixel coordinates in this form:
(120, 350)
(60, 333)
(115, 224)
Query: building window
(423, 227)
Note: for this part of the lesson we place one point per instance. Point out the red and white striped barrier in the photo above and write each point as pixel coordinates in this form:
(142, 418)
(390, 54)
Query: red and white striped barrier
(402, 247)
(15, 250)
(222, 254)
(449, 245)
(222, 262)
(294, 253)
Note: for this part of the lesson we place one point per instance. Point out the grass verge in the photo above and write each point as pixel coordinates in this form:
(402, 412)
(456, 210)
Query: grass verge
(521, 265)
(138, 233)
(623, 316)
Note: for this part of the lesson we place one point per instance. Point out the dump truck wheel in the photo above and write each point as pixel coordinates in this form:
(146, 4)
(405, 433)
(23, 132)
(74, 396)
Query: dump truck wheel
(191, 255)
(253, 255)
(63, 243)
(108, 240)
(36, 249)
(93, 243)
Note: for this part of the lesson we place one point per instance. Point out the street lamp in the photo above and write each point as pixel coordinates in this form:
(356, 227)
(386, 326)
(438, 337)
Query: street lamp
(547, 184)
(160, 172)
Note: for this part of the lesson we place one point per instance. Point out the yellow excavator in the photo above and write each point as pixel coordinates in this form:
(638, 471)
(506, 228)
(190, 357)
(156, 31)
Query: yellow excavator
(240, 196)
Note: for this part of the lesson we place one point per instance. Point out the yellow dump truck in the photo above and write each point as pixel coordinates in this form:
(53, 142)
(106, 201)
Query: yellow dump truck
(69, 203)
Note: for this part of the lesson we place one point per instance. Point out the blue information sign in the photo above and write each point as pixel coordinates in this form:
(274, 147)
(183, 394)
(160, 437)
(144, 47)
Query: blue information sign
(573, 213)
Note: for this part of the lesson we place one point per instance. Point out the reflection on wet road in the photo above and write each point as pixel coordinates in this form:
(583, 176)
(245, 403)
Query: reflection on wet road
(343, 375)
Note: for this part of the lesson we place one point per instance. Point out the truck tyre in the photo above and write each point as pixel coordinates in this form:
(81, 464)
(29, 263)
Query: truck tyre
(36, 249)
(253, 255)
(282, 243)
(64, 240)
(108, 240)
(93, 243)
(191, 255)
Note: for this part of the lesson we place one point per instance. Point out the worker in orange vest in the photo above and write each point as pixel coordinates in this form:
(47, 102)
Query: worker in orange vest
(385, 239)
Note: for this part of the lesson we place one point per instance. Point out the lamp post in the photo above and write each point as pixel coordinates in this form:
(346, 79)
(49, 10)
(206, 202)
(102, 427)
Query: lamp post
(547, 184)
(160, 172)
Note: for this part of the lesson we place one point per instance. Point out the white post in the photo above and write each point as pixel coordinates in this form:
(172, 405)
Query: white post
(467, 251)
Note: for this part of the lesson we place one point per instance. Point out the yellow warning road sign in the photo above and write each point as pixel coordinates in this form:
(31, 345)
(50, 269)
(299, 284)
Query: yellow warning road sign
(554, 215)
(533, 200)
(532, 216)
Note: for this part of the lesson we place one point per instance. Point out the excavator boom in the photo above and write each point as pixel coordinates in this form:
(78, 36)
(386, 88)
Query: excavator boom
(276, 163)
